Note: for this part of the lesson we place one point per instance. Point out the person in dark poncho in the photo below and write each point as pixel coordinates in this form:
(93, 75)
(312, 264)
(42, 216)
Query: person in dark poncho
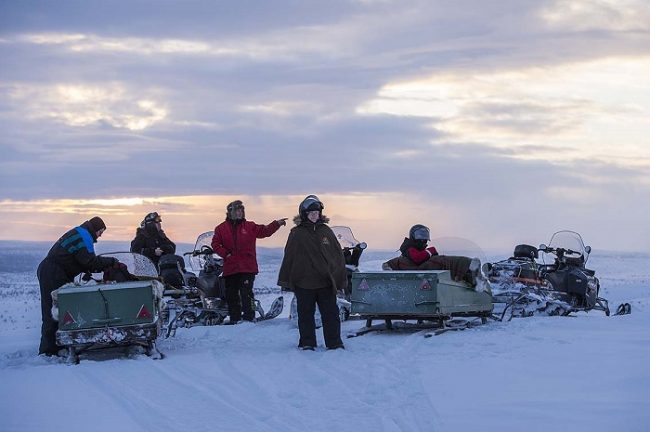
(72, 254)
(313, 267)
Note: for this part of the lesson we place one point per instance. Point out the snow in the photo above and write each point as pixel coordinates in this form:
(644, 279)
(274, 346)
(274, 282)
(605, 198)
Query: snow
(583, 373)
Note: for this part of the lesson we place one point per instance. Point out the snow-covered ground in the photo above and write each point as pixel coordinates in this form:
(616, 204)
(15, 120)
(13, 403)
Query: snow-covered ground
(583, 373)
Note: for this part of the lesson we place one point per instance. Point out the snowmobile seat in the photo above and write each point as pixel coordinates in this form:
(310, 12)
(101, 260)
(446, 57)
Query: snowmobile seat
(525, 251)
(172, 268)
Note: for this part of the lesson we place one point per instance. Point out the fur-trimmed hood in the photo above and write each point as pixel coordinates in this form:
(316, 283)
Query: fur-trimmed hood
(298, 220)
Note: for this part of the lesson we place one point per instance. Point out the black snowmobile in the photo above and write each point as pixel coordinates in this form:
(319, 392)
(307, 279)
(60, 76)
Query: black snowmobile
(192, 300)
(523, 287)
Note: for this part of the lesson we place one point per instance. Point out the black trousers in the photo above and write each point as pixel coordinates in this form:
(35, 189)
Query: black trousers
(306, 300)
(50, 277)
(240, 297)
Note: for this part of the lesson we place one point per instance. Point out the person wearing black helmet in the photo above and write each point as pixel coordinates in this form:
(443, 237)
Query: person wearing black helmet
(313, 267)
(150, 239)
(415, 255)
(414, 247)
(72, 254)
(235, 241)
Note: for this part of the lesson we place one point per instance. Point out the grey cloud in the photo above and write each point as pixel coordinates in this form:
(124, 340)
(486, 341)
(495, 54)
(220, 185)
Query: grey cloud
(281, 125)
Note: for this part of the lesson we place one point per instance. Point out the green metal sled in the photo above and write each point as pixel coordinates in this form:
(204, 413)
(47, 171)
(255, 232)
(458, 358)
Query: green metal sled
(109, 314)
(421, 295)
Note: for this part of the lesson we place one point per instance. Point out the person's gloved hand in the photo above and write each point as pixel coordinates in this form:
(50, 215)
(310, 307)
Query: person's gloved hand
(87, 277)
(432, 251)
(282, 222)
(118, 265)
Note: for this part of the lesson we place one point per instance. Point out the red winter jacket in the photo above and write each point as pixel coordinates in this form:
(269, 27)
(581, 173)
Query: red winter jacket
(235, 243)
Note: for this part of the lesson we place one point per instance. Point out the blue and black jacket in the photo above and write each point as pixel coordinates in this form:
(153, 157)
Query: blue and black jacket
(74, 252)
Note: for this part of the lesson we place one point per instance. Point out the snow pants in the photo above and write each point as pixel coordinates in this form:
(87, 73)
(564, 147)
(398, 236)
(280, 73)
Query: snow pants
(240, 297)
(306, 300)
(50, 277)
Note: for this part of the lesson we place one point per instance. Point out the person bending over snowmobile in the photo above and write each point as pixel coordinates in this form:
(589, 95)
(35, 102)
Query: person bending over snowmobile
(234, 240)
(150, 239)
(72, 254)
(417, 256)
(313, 267)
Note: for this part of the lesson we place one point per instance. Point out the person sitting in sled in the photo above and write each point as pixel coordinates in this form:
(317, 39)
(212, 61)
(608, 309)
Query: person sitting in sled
(414, 247)
(417, 255)
(72, 254)
(150, 239)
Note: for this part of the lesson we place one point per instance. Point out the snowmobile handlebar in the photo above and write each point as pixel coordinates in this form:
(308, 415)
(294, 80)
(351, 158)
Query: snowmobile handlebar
(560, 252)
(205, 250)
(360, 246)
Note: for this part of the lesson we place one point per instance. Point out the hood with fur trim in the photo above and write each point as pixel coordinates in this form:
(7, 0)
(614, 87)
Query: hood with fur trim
(298, 220)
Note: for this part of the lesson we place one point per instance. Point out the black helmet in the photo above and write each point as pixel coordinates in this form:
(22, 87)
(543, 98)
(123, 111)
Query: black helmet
(152, 217)
(233, 207)
(310, 203)
(419, 232)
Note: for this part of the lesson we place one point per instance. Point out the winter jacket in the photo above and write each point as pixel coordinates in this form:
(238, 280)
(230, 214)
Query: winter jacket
(235, 241)
(74, 252)
(313, 258)
(149, 238)
(416, 252)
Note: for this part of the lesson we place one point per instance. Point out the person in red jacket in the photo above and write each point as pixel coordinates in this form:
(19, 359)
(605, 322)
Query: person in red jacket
(415, 246)
(234, 240)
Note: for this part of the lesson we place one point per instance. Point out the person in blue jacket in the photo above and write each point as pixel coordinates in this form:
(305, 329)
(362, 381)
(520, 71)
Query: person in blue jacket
(72, 254)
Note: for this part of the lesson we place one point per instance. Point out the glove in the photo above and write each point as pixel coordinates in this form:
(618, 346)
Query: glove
(118, 265)
(432, 251)
(282, 222)
(87, 277)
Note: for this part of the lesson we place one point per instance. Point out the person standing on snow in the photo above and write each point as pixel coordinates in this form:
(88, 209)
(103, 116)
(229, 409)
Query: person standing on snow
(313, 267)
(235, 240)
(150, 239)
(72, 254)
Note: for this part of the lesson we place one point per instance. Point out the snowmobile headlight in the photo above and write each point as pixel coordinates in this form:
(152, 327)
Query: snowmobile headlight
(592, 285)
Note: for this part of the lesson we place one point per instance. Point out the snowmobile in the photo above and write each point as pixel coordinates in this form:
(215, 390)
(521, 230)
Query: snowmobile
(202, 300)
(521, 286)
(122, 308)
(352, 250)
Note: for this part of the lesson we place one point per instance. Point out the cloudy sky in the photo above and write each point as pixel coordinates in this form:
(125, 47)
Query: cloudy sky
(497, 121)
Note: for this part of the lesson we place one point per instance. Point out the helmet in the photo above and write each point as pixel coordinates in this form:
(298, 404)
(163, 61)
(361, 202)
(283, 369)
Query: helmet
(152, 217)
(419, 232)
(310, 203)
(233, 207)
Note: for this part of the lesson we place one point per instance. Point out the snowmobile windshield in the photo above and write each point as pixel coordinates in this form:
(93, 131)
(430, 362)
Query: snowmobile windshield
(458, 246)
(136, 264)
(345, 237)
(569, 240)
(197, 262)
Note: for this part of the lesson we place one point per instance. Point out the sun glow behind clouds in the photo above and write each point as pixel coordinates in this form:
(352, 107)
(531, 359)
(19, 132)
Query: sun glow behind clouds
(598, 109)
(580, 15)
(82, 104)
(378, 218)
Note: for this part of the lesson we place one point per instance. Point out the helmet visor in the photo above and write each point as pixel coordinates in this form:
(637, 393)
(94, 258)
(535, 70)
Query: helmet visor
(311, 203)
(421, 233)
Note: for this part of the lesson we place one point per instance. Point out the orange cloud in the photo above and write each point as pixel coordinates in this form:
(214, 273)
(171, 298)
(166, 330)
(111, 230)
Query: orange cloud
(380, 219)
